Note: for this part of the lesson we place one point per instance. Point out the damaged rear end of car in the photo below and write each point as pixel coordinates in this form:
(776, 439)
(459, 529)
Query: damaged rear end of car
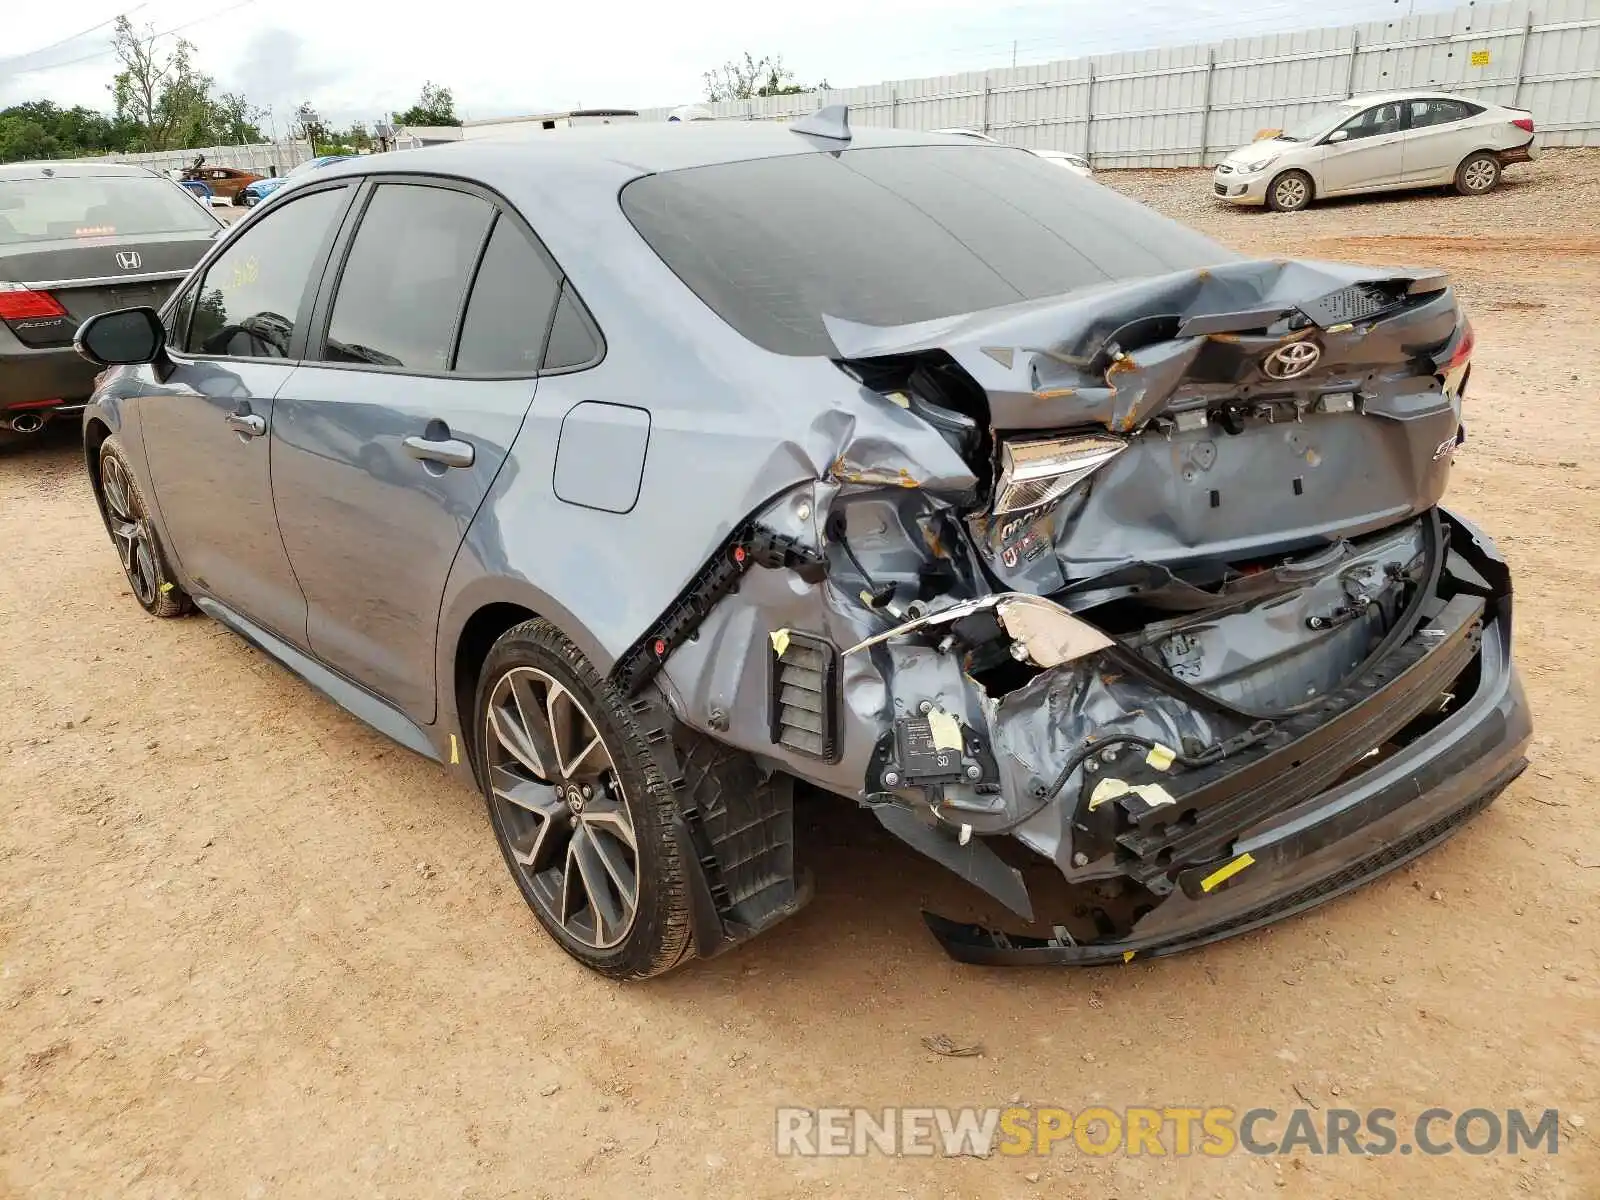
(1144, 584)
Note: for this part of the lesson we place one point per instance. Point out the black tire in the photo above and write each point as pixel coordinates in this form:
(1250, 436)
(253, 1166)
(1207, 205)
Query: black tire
(639, 782)
(1478, 174)
(127, 518)
(1290, 191)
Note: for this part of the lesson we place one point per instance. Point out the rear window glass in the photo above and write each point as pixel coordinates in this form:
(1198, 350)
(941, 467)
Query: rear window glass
(44, 210)
(892, 235)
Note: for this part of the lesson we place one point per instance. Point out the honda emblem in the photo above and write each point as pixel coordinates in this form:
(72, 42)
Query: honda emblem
(129, 260)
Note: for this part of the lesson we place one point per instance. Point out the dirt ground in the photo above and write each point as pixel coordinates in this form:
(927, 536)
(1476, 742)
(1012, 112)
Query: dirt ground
(249, 948)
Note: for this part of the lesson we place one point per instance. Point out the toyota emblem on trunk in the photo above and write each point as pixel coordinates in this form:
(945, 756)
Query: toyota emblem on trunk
(129, 260)
(1292, 361)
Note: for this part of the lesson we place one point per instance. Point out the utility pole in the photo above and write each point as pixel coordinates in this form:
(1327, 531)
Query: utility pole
(1013, 55)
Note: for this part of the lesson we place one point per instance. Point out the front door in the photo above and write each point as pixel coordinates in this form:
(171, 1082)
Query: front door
(205, 427)
(1371, 154)
(384, 449)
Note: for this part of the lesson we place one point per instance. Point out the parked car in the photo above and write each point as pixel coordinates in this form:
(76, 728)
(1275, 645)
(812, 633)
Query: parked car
(77, 239)
(1377, 144)
(226, 183)
(637, 478)
(257, 191)
(1075, 163)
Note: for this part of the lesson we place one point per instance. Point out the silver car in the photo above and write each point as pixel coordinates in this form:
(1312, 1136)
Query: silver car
(1376, 144)
(642, 479)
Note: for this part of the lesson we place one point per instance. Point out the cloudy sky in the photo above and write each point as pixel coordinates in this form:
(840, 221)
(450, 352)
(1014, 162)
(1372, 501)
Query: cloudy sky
(355, 59)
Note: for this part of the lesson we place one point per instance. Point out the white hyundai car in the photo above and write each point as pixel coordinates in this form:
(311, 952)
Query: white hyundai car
(1075, 163)
(1377, 144)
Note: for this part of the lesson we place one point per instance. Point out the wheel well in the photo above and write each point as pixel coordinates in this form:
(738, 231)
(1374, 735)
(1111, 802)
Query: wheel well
(478, 636)
(1311, 182)
(94, 436)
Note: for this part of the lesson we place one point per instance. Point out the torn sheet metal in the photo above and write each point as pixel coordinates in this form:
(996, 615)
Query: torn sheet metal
(1047, 363)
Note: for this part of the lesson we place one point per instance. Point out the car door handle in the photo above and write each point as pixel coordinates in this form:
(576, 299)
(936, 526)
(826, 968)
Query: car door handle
(247, 423)
(450, 452)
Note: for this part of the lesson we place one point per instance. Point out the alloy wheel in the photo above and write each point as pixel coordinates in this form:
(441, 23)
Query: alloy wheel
(1479, 175)
(559, 798)
(1291, 192)
(130, 531)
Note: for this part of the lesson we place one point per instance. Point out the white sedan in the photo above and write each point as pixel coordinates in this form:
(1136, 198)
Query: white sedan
(1377, 144)
(1075, 163)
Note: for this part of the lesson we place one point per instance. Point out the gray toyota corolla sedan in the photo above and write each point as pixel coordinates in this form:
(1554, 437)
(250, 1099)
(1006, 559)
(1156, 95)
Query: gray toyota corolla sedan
(640, 474)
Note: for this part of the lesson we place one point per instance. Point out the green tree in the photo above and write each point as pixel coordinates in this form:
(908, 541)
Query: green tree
(764, 76)
(39, 129)
(236, 121)
(159, 90)
(436, 106)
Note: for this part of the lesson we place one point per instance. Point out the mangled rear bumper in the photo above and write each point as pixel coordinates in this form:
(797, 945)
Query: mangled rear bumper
(1288, 819)
(1322, 848)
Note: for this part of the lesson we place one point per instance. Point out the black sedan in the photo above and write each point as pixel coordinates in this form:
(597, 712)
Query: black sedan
(78, 239)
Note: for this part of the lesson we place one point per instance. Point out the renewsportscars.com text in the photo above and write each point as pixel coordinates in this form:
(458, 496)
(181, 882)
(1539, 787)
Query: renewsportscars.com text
(1175, 1131)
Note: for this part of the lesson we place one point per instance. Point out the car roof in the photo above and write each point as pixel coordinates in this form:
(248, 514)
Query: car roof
(1413, 94)
(612, 153)
(70, 170)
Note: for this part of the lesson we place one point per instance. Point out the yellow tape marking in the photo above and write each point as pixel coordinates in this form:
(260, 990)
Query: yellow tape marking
(1127, 956)
(1107, 789)
(455, 750)
(946, 730)
(166, 587)
(1160, 757)
(780, 641)
(1222, 874)
(1154, 794)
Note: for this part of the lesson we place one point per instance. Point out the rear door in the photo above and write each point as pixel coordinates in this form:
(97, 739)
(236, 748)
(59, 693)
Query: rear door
(1440, 135)
(1372, 154)
(204, 428)
(428, 334)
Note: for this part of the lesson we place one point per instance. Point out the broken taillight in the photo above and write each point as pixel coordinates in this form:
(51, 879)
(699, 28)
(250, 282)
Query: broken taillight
(18, 303)
(1524, 123)
(1039, 471)
(1464, 347)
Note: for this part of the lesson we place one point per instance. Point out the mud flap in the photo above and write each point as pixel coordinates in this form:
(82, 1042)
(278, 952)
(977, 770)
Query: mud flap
(739, 828)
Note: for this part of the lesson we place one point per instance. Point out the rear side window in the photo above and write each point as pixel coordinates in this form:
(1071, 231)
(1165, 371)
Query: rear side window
(405, 278)
(504, 329)
(893, 235)
(248, 301)
(1438, 112)
(63, 208)
(572, 339)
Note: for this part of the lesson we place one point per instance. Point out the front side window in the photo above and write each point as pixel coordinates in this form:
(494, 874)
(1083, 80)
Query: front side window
(248, 301)
(503, 332)
(1374, 122)
(405, 277)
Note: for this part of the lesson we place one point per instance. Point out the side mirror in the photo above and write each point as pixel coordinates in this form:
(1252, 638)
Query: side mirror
(1338, 135)
(128, 335)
